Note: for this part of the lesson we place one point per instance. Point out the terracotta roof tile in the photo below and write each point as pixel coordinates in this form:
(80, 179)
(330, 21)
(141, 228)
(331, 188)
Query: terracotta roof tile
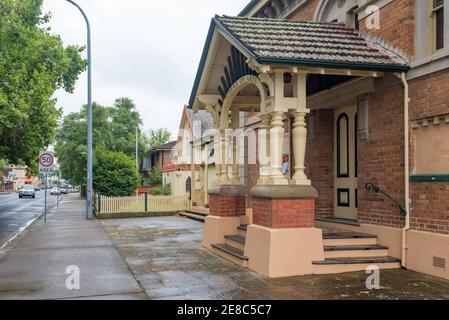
(305, 40)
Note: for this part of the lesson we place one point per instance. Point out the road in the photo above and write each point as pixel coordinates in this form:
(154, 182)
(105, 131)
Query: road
(15, 213)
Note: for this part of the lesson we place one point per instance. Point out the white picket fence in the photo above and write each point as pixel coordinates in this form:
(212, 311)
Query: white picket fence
(142, 203)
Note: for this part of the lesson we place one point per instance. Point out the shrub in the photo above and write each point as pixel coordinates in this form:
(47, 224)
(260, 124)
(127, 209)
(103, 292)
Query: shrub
(154, 177)
(163, 191)
(115, 174)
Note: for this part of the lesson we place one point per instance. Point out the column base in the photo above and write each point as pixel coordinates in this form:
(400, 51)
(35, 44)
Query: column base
(284, 207)
(227, 201)
(302, 182)
(283, 252)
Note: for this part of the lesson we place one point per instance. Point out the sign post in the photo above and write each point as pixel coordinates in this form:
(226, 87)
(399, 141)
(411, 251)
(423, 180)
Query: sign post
(46, 166)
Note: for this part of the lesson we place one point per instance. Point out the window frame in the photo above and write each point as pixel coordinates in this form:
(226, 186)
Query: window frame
(433, 25)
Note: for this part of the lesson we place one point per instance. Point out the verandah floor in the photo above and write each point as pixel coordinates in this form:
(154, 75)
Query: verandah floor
(167, 258)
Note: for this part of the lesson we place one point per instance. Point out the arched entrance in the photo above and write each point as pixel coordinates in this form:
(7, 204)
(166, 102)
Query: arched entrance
(189, 187)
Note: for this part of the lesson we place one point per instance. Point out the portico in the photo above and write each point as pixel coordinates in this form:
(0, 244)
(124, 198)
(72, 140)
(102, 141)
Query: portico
(269, 68)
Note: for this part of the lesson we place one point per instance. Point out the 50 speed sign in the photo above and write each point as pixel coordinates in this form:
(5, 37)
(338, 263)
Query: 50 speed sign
(46, 161)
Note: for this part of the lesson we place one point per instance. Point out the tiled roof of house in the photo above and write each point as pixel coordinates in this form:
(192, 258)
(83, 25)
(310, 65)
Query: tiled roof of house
(164, 147)
(309, 43)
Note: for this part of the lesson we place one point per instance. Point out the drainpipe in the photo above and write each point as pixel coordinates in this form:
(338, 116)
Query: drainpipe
(406, 168)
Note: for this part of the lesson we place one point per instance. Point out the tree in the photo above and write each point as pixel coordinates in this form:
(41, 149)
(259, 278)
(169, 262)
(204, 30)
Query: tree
(158, 137)
(114, 129)
(71, 140)
(33, 65)
(115, 174)
(125, 121)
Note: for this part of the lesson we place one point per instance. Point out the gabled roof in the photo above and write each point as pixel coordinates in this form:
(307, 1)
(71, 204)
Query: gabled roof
(249, 7)
(302, 44)
(165, 147)
(309, 43)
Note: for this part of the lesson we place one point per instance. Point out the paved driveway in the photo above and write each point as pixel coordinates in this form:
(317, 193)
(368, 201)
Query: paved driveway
(166, 257)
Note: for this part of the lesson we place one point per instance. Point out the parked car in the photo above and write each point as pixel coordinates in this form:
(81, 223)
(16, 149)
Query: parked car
(63, 190)
(27, 191)
(37, 188)
(55, 192)
(74, 190)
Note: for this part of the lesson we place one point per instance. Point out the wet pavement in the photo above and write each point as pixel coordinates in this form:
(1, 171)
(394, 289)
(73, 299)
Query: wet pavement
(168, 261)
(48, 257)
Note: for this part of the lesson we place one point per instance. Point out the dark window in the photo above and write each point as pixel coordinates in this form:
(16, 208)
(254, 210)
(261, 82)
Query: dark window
(356, 22)
(438, 14)
(343, 146)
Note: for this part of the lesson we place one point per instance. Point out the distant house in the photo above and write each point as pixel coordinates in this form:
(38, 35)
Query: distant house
(195, 127)
(158, 157)
(15, 175)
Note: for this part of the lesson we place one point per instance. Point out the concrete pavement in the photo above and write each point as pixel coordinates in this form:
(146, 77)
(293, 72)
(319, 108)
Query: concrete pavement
(36, 267)
(169, 261)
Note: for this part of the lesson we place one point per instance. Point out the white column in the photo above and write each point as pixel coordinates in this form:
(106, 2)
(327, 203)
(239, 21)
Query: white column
(224, 161)
(217, 155)
(235, 121)
(206, 177)
(264, 149)
(299, 147)
(277, 136)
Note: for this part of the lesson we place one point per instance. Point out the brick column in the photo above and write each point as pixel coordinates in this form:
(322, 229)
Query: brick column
(227, 201)
(284, 207)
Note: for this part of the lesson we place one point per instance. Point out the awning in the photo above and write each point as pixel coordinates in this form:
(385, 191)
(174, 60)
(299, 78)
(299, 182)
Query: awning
(300, 44)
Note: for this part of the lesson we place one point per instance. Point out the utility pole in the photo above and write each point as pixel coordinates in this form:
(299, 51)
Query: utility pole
(137, 148)
(89, 187)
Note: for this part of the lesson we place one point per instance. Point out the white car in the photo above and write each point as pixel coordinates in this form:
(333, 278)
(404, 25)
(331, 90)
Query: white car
(55, 192)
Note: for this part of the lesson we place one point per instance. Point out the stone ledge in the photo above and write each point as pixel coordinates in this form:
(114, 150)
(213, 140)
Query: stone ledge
(227, 190)
(284, 192)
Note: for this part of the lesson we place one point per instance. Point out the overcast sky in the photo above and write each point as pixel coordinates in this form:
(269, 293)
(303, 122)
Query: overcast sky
(147, 50)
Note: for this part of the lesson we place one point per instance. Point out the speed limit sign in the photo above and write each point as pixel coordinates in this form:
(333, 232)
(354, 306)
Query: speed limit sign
(46, 161)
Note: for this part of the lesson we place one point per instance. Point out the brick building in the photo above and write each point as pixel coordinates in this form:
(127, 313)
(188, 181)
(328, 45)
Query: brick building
(356, 93)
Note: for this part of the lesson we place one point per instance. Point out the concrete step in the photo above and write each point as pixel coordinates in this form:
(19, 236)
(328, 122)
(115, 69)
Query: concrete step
(343, 265)
(242, 229)
(355, 251)
(236, 241)
(198, 213)
(334, 239)
(192, 216)
(230, 253)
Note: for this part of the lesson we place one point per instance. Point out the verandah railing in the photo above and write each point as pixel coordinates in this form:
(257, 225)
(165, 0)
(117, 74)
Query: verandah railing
(141, 203)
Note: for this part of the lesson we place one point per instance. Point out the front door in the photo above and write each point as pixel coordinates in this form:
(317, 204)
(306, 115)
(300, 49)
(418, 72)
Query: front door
(345, 163)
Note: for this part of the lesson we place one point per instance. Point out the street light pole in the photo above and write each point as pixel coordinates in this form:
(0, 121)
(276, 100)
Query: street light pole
(137, 148)
(89, 191)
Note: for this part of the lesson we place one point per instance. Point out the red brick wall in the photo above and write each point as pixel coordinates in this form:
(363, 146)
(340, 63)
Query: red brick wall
(430, 206)
(227, 205)
(305, 12)
(430, 200)
(429, 95)
(381, 158)
(284, 214)
(397, 25)
(320, 160)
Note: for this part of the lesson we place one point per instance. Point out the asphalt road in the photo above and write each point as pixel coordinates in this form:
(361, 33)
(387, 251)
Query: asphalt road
(15, 213)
